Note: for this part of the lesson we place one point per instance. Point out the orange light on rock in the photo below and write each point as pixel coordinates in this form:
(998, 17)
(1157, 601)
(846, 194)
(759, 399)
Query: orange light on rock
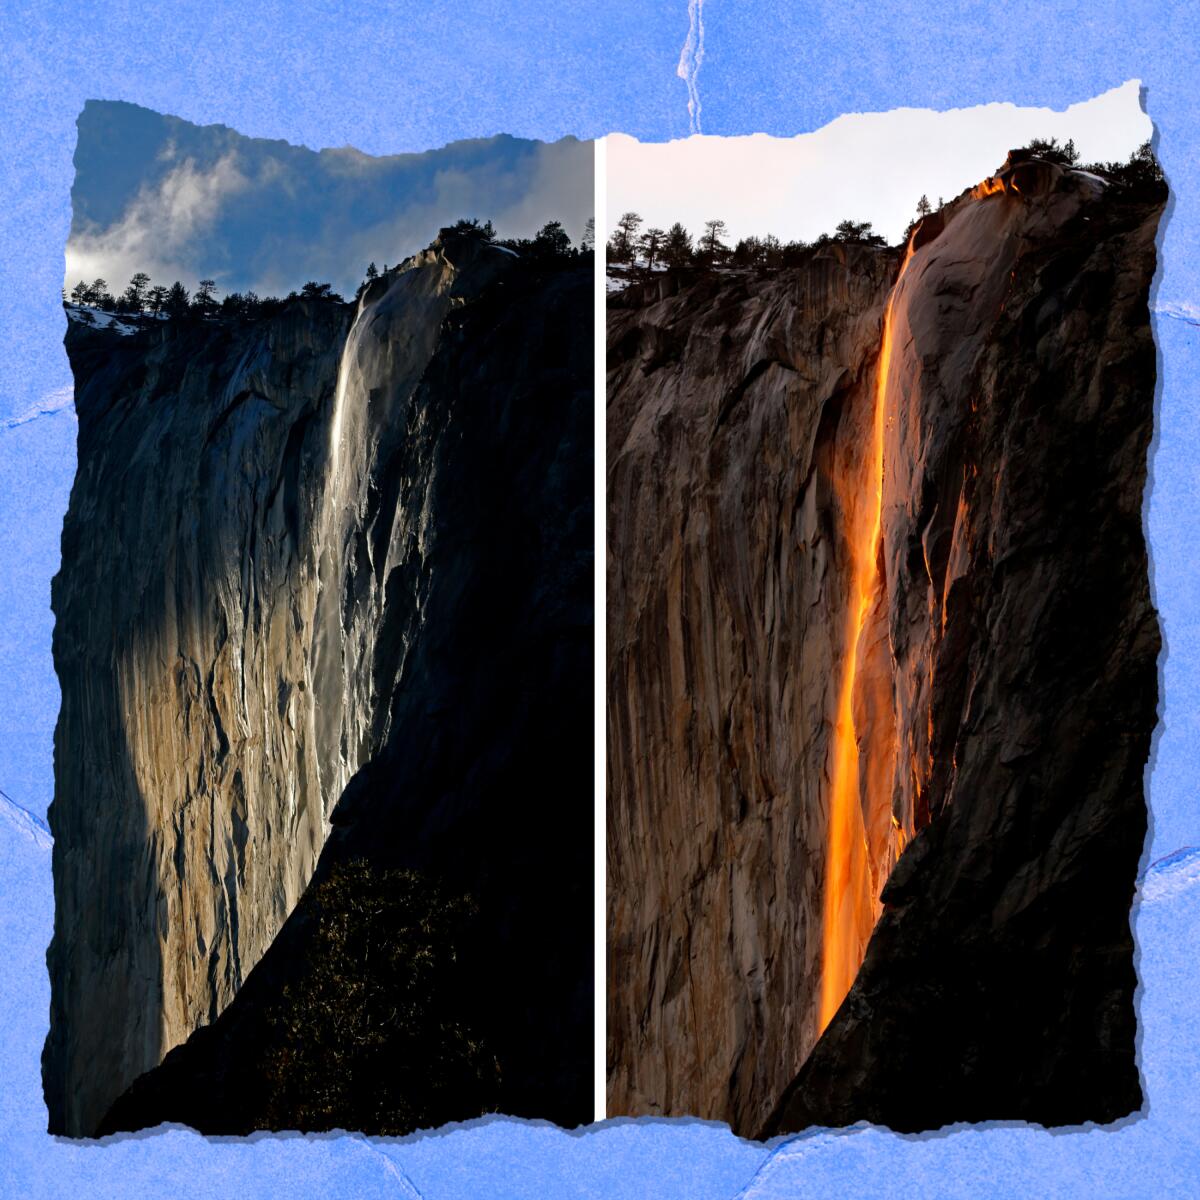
(849, 909)
(989, 187)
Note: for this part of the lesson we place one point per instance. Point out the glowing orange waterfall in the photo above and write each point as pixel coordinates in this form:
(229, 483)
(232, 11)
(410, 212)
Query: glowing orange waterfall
(849, 906)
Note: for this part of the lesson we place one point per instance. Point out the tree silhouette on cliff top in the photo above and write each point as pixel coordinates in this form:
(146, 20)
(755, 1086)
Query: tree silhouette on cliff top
(551, 244)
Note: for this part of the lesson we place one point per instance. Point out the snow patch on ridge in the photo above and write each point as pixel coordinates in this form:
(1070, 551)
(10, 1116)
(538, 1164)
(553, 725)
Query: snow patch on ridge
(99, 319)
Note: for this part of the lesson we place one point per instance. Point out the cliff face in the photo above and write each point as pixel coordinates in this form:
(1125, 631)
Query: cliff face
(726, 578)
(192, 784)
(969, 649)
(274, 576)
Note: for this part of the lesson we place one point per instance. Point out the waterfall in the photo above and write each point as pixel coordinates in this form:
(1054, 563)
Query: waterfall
(390, 342)
(850, 908)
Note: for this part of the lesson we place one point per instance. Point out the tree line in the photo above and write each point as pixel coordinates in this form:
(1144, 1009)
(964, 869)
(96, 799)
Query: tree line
(143, 297)
(634, 244)
(551, 242)
(675, 247)
(140, 298)
(1139, 176)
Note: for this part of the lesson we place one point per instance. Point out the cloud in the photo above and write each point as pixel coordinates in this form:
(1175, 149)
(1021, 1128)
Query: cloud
(518, 192)
(182, 201)
(160, 228)
(560, 188)
(348, 160)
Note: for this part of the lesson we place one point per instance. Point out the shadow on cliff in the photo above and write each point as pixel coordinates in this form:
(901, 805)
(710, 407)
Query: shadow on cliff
(482, 787)
(139, 1037)
(152, 647)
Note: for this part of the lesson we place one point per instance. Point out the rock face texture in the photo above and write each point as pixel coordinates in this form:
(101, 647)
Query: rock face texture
(193, 780)
(326, 549)
(1003, 693)
(726, 588)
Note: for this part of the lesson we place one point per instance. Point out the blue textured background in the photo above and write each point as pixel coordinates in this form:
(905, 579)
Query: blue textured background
(400, 76)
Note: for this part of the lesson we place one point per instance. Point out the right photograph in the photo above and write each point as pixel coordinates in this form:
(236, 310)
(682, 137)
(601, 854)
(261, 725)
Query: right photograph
(882, 653)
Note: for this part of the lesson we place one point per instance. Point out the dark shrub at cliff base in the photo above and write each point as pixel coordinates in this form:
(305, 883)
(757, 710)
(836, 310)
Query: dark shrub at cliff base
(376, 1036)
(375, 1033)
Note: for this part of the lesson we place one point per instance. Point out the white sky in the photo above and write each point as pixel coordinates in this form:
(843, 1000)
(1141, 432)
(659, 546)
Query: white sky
(863, 166)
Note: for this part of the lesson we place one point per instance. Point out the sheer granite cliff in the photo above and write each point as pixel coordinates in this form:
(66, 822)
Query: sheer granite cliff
(327, 571)
(1003, 690)
(724, 579)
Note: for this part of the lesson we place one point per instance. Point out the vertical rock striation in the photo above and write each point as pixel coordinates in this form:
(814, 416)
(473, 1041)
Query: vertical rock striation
(1003, 693)
(191, 763)
(250, 572)
(736, 409)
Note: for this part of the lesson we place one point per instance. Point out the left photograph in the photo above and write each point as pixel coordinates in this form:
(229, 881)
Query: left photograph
(323, 809)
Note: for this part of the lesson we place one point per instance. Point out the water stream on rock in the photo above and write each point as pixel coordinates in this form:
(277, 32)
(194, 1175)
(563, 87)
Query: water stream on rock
(340, 502)
(850, 910)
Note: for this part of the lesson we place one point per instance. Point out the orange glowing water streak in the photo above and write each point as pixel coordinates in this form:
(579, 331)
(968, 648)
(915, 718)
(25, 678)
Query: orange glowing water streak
(849, 907)
(989, 187)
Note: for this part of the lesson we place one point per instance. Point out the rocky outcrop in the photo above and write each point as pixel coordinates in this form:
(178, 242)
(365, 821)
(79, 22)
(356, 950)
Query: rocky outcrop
(999, 981)
(332, 548)
(1003, 689)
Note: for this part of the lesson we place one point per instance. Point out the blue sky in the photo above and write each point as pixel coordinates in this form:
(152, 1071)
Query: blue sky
(182, 201)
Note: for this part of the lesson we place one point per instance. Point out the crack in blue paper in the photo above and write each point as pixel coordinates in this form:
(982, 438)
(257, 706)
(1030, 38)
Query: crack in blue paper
(63, 401)
(691, 57)
(410, 1189)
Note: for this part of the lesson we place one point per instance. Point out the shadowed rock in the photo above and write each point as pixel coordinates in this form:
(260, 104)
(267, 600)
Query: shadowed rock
(420, 471)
